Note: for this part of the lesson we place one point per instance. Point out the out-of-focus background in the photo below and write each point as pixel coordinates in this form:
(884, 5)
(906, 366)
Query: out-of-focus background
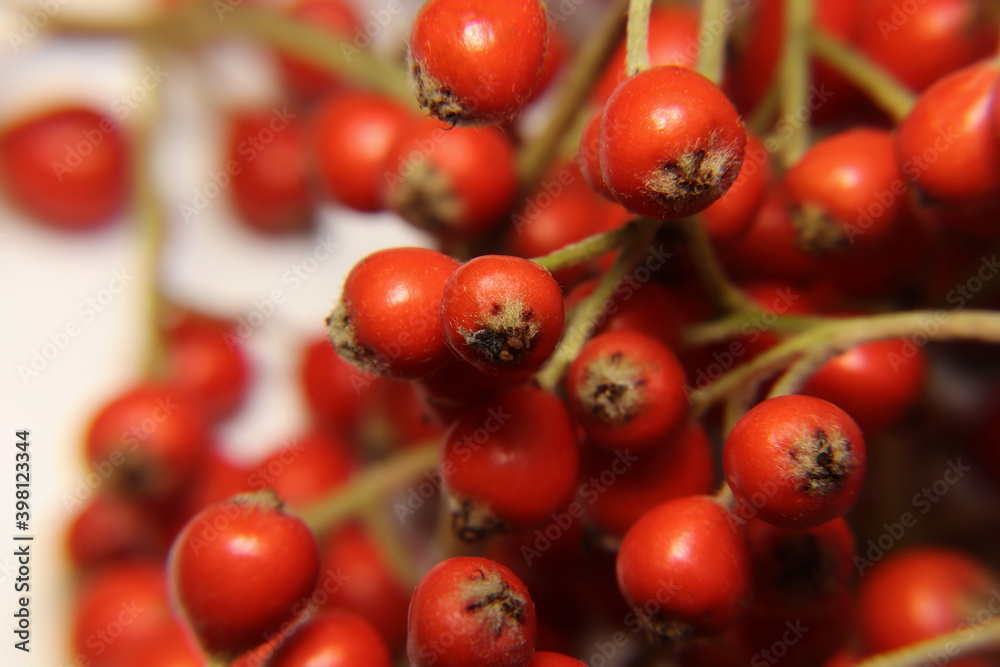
(51, 382)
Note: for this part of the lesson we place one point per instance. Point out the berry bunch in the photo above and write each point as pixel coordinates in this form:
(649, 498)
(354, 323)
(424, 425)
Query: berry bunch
(679, 362)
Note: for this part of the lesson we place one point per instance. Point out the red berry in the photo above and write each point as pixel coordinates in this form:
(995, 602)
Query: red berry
(502, 313)
(334, 639)
(462, 63)
(68, 167)
(648, 308)
(671, 143)
(550, 659)
(207, 360)
(267, 164)
(918, 594)
(798, 460)
(109, 529)
(935, 37)
(471, 612)
(387, 319)
(731, 215)
(849, 192)
(457, 182)
(240, 570)
(875, 383)
(336, 17)
(305, 468)
(150, 440)
(352, 134)
(510, 463)
(332, 386)
(589, 156)
(627, 390)
(684, 568)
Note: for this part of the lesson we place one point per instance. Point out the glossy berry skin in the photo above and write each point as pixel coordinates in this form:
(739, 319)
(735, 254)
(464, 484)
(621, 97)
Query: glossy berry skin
(936, 38)
(66, 167)
(240, 570)
(333, 639)
(266, 160)
(798, 460)
(589, 156)
(352, 134)
(875, 383)
(685, 569)
(920, 593)
(462, 66)
(961, 168)
(151, 439)
(387, 320)
(332, 386)
(626, 390)
(550, 659)
(471, 611)
(510, 463)
(456, 182)
(502, 314)
(671, 143)
(849, 190)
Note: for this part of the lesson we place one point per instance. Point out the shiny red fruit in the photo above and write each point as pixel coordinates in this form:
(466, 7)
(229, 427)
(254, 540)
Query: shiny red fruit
(334, 639)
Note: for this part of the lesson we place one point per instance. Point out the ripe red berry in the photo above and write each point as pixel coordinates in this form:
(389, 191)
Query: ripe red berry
(798, 460)
(671, 143)
(304, 468)
(110, 529)
(626, 390)
(457, 182)
(268, 167)
(510, 463)
(685, 569)
(333, 639)
(849, 192)
(462, 64)
(150, 440)
(731, 215)
(332, 386)
(67, 167)
(550, 659)
(352, 134)
(240, 570)
(471, 612)
(387, 320)
(502, 313)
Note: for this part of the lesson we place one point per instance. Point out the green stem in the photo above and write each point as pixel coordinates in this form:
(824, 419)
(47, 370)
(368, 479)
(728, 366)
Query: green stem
(962, 642)
(842, 334)
(583, 323)
(712, 55)
(799, 372)
(369, 487)
(795, 76)
(572, 98)
(732, 325)
(725, 296)
(637, 37)
(889, 94)
(589, 248)
(391, 547)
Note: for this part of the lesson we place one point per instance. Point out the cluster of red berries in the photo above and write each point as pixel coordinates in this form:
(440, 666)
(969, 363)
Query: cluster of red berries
(559, 399)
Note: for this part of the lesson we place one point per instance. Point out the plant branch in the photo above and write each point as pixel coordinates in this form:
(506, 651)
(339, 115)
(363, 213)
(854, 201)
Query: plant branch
(795, 75)
(712, 54)
(725, 296)
(962, 642)
(589, 248)
(637, 37)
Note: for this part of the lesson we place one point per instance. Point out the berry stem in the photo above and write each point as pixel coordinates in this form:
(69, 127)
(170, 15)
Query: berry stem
(727, 327)
(585, 319)
(589, 248)
(953, 644)
(795, 76)
(390, 545)
(368, 487)
(725, 296)
(637, 37)
(571, 109)
(842, 334)
(152, 229)
(883, 89)
(799, 372)
(712, 54)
